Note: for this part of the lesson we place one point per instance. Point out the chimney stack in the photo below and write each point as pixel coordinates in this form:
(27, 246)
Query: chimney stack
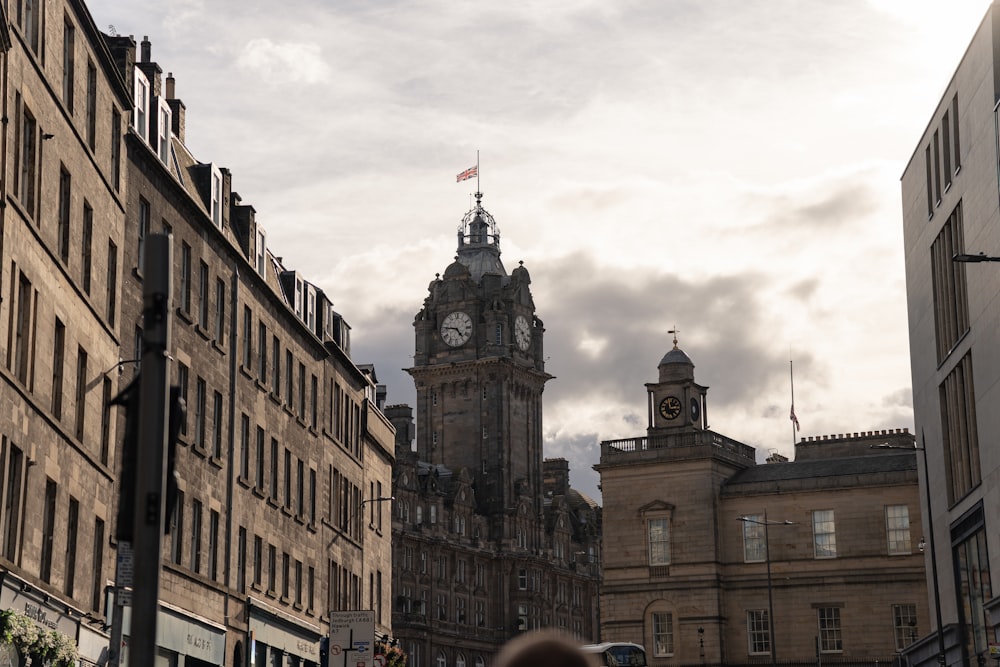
(146, 49)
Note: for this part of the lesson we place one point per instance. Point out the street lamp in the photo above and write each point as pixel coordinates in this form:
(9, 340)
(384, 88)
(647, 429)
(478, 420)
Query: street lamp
(981, 257)
(770, 594)
(930, 511)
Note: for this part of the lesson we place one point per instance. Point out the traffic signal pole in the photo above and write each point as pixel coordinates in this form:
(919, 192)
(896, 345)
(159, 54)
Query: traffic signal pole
(152, 451)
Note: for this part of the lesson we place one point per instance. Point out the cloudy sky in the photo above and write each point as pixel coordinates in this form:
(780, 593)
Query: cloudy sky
(730, 168)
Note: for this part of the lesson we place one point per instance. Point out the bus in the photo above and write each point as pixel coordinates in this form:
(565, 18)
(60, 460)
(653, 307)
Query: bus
(618, 654)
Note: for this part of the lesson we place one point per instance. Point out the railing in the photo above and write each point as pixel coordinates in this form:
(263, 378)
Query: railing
(678, 441)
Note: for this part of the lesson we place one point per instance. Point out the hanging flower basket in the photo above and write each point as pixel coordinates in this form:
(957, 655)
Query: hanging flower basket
(46, 647)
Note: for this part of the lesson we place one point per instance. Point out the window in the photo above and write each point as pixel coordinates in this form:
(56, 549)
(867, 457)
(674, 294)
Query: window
(288, 480)
(244, 446)
(522, 579)
(300, 508)
(86, 247)
(97, 579)
(63, 231)
(758, 632)
(185, 278)
(830, 640)
(754, 543)
(112, 281)
(216, 197)
(937, 168)
(314, 403)
(897, 527)
(261, 247)
(241, 560)
(48, 531)
(288, 379)
(213, 544)
(72, 526)
(262, 352)
(69, 48)
(658, 531)
(258, 559)
(105, 419)
(196, 536)
(58, 361)
(930, 177)
(260, 459)
(946, 149)
(220, 311)
(904, 623)
(182, 382)
(140, 118)
(824, 534)
(13, 491)
(663, 634)
(274, 470)
(954, 134)
(200, 400)
(951, 301)
(116, 148)
(81, 391)
(958, 427)
(30, 19)
(972, 579)
(272, 567)
(302, 390)
(203, 296)
(276, 380)
(163, 132)
(91, 104)
(177, 530)
(247, 337)
(218, 418)
(285, 576)
(26, 160)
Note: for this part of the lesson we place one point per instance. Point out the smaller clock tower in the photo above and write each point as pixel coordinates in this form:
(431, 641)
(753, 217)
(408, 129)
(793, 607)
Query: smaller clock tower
(676, 402)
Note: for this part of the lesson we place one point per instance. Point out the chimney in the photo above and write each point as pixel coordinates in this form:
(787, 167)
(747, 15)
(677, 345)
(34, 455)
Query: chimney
(176, 109)
(170, 86)
(146, 49)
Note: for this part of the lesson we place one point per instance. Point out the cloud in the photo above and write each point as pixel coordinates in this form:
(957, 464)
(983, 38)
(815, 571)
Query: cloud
(284, 62)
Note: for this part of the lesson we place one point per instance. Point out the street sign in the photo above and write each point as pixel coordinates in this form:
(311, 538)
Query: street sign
(379, 660)
(354, 633)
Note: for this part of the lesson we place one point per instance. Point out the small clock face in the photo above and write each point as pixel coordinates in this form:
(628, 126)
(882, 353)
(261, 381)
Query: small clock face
(456, 328)
(522, 332)
(670, 407)
(695, 409)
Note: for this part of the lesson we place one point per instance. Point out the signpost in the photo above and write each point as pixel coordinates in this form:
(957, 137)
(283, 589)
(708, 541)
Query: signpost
(352, 635)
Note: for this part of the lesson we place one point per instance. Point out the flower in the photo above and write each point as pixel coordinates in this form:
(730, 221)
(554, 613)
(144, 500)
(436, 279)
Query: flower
(47, 645)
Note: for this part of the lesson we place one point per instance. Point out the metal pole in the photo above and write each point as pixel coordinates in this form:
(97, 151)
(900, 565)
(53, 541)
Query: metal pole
(150, 457)
(934, 567)
(770, 594)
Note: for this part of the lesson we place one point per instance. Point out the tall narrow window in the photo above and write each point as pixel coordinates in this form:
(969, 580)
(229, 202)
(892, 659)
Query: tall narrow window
(163, 133)
(203, 296)
(97, 577)
(69, 48)
(824, 534)
(754, 545)
(663, 634)
(12, 503)
(81, 391)
(58, 362)
(86, 247)
(262, 352)
(105, 419)
(241, 560)
(276, 380)
(112, 281)
(930, 181)
(288, 480)
(946, 149)
(904, 624)
(200, 404)
(141, 117)
(30, 20)
(91, 105)
(218, 418)
(897, 528)
(260, 460)
(951, 301)
(196, 508)
(72, 527)
(958, 427)
(48, 531)
(244, 446)
(116, 148)
(143, 232)
(258, 560)
(758, 632)
(28, 151)
(247, 337)
(274, 470)
(213, 545)
(185, 292)
(182, 382)
(302, 390)
(658, 531)
(272, 567)
(937, 168)
(288, 379)
(830, 639)
(954, 134)
(177, 531)
(220, 311)
(23, 334)
(63, 214)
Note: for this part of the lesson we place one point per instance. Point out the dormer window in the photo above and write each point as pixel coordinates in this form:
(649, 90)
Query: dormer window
(163, 132)
(261, 247)
(216, 197)
(141, 115)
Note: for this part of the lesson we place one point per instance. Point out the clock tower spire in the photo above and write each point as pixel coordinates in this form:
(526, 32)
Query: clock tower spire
(676, 402)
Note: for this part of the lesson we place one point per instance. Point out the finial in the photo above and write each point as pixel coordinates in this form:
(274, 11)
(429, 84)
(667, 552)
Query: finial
(674, 331)
(520, 262)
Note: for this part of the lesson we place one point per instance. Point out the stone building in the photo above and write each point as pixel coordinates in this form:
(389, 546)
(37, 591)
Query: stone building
(61, 235)
(949, 201)
(285, 450)
(709, 547)
(489, 539)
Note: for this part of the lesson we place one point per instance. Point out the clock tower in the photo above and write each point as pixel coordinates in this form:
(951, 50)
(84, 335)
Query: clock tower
(479, 373)
(676, 402)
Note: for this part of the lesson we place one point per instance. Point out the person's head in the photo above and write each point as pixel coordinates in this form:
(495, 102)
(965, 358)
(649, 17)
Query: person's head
(543, 649)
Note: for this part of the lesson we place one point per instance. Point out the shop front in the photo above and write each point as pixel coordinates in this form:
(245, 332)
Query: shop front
(280, 640)
(182, 639)
(38, 621)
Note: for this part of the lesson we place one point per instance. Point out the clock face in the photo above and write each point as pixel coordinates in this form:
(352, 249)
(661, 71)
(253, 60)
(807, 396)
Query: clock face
(695, 409)
(522, 332)
(456, 328)
(670, 407)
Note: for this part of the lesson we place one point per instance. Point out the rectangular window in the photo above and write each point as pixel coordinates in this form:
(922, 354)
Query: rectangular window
(247, 337)
(260, 459)
(24, 330)
(663, 634)
(314, 403)
(182, 382)
(163, 132)
(218, 418)
(958, 426)
(106, 419)
(213, 545)
(904, 623)
(288, 479)
(58, 362)
(112, 281)
(12, 502)
(27, 173)
(302, 391)
(262, 352)
(86, 247)
(91, 105)
(288, 379)
(946, 149)
(81, 391)
(658, 531)
(143, 232)
(63, 224)
(69, 49)
(276, 380)
(185, 278)
(216, 197)
(274, 470)
(954, 134)
(824, 534)
(116, 148)
(97, 578)
(258, 560)
(244, 446)
(300, 507)
(930, 177)
(200, 404)
(261, 247)
(951, 300)
(30, 20)
(203, 296)
(754, 543)
(272, 568)
(220, 311)
(758, 632)
(48, 531)
(241, 560)
(897, 528)
(196, 535)
(972, 579)
(937, 169)
(177, 531)
(312, 496)
(830, 640)
(72, 527)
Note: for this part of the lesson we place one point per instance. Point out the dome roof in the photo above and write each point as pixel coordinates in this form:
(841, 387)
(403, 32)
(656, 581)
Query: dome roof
(676, 356)
(456, 270)
(521, 274)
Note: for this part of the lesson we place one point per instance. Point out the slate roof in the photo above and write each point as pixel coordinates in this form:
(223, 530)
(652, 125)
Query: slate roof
(880, 463)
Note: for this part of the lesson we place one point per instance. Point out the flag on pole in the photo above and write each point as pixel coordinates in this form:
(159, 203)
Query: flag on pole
(795, 420)
(467, 174)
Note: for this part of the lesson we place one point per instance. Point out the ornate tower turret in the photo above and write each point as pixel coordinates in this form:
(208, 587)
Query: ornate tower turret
(676, 402)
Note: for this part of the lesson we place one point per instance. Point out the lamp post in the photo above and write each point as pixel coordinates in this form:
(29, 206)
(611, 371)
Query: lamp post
(930, 511)
(980, 257)
(770, 589)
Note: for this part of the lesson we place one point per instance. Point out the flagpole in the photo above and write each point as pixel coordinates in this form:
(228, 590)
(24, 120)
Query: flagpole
(478, 189)
(791, 377)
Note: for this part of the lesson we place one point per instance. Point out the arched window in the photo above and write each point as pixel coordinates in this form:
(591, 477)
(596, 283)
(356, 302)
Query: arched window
(480, 662)
(460, 660)
(442, 661)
